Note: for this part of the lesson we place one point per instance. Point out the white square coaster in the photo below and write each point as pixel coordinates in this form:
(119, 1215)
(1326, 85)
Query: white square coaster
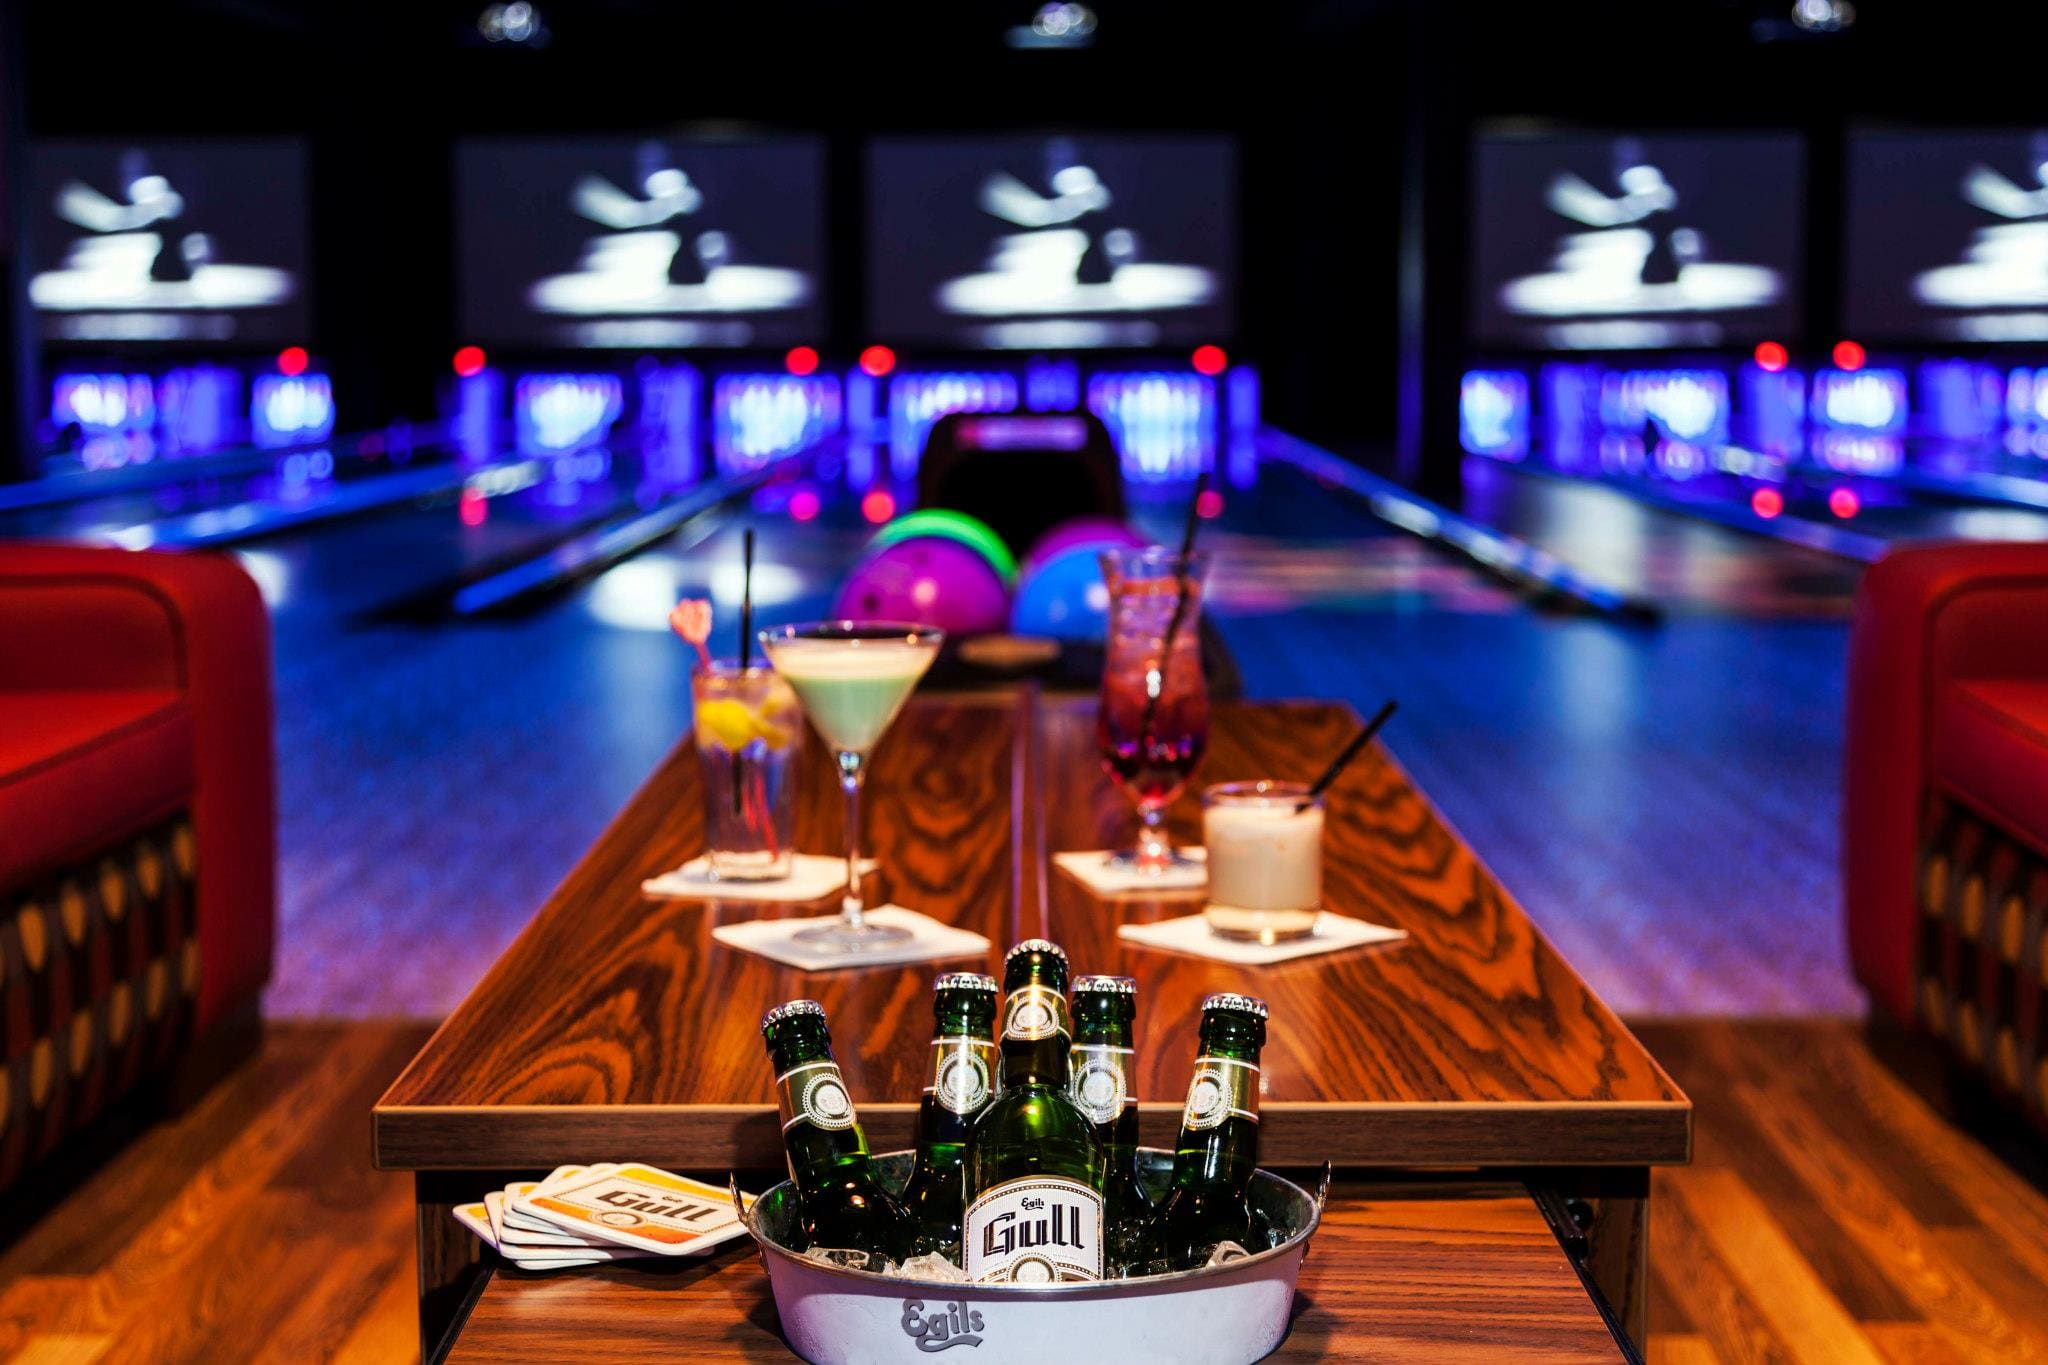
(811, 877)
(929, 940)
(1190, 935)
(1093, 870)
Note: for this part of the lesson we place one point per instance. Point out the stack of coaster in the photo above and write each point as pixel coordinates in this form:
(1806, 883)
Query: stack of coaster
(586, 1215)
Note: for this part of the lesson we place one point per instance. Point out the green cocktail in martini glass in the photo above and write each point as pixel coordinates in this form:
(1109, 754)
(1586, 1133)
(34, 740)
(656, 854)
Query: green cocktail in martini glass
(852, 678)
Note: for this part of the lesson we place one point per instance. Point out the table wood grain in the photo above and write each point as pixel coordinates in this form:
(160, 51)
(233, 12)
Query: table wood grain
(616, 1028)
(1392, 1279)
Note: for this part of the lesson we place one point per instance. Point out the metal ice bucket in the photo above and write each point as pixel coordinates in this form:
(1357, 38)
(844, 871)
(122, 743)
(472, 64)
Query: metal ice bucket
(1229, 1314)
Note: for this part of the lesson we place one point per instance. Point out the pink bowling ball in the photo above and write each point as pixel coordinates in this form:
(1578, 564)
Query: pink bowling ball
(1102, 533)
(929, 580)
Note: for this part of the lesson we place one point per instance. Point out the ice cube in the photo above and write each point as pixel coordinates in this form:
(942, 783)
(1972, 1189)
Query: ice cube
(930, 1266)
(846, 1258)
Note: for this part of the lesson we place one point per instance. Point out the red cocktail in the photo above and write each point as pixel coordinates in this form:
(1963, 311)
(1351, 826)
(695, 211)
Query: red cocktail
(1154, 719)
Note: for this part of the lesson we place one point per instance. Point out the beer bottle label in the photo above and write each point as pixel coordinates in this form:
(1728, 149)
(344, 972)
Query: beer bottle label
(1223, 1088)
(814, 1093)
(963, 1073)
(1041, 1229)
(1034, 1012)
(1098, 1077)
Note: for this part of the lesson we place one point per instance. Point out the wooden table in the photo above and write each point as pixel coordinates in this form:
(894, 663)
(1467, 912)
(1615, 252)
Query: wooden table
(1391, 1277)
(615, 1027)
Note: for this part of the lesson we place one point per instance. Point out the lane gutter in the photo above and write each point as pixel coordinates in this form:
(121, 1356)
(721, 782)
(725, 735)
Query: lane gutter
(1543, 575)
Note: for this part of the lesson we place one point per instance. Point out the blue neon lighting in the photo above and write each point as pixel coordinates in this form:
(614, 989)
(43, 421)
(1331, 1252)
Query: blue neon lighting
(560, 412)
(1493, 413)
(759, 418)
(1863, 400)
(198, 408)
(916, 400)
(671, 422)
(1684, 405)
(1772, 413)
(2026, 397)
(1859, 452)
(1963, 400)
(102, 404)
(1164, 422)
(479, 399)
(1052, 386)
(291, 409)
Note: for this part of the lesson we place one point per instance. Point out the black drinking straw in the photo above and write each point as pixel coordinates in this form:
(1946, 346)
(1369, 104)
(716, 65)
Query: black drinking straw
(746, 643)
(1180, 603)
(746, 599)
(1338, 764)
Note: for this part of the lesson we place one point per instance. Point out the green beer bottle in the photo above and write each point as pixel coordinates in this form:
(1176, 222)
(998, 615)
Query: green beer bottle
(840, 1198)
(1208, 1198)
(1105, 1008)
(963, 1077)
(1034, 1167)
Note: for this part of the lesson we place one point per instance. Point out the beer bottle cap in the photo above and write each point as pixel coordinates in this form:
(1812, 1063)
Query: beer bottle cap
(965, 981)
(1243, 1004)
(790, 1010)
(1113, 985)
(1035, 945)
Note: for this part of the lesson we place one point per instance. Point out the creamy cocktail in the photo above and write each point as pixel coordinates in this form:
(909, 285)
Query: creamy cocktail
(851, 689)
(852, 677)
(1265, 842)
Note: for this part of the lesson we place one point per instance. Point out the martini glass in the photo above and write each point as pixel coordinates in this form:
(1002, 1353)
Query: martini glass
(852, 678)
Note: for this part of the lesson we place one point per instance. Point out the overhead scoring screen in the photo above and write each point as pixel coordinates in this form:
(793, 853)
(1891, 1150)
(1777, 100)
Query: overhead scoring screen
(1052, 242)
(1592, 242)
(1948, 236)
(157, 241)
(627, 242)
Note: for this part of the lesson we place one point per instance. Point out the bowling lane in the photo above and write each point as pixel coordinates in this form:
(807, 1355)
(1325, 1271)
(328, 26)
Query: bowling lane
(809, 533)
(1848, 496)
(1284, 542)
(1684, 561)
(319, 576)
(210, 499)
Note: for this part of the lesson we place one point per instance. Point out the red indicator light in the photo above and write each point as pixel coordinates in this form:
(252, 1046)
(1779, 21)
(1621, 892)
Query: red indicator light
(1844, 503)
(292, 360)
(803, 505)
(1209, 505)
(471, 507)
(801, 360)
(469, 360)
(878, 506)
(1771, 356)
(1209, 359)
(878, 360)
(1848, 355)
(1767, 502)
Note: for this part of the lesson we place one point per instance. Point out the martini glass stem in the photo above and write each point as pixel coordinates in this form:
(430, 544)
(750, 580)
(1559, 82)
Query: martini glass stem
(1153, 852)
(852, 776)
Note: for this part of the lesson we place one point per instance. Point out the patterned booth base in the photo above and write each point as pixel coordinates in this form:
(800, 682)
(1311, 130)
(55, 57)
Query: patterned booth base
(99, 969)
(1982, 952)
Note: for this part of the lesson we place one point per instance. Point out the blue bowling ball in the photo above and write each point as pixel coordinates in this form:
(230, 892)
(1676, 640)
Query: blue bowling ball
(1065, 597)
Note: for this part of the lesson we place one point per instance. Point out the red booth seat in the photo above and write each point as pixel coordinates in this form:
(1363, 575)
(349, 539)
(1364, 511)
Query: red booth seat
(1945, 805)
(136, 827)
(1990, 751)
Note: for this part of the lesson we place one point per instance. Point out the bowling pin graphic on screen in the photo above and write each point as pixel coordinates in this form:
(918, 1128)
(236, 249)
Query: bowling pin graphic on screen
(2005, 264)
(1634, 255)
(1063, 253)
(142, 249)
(662, 250)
